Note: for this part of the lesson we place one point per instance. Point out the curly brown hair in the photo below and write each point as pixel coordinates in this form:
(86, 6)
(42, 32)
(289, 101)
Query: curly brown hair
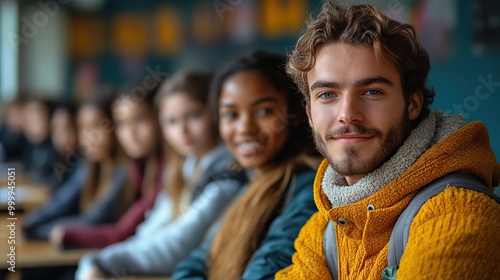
(365, 25)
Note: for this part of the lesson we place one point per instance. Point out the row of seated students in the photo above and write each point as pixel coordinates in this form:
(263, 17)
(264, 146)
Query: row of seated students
(218, 179)
(199, 176)
(25, 138)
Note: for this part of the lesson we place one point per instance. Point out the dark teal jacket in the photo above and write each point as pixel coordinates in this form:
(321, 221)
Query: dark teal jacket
(276, 249)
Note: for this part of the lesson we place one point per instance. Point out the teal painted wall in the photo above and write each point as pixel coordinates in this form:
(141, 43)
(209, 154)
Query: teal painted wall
(454, 78)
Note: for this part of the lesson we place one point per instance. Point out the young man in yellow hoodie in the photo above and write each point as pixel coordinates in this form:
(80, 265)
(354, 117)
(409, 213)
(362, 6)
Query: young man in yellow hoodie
(363, 77)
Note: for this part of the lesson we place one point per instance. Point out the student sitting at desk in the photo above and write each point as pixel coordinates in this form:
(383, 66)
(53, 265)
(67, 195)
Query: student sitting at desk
(64, 136)
(195, 194)
(39, 154)
(263, 124)
(12, 139)
(95, 191)
(138, 132)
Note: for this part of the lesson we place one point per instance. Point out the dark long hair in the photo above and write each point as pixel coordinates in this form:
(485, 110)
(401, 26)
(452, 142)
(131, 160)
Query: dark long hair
(102, 99)
(248, 219)
(144, 92)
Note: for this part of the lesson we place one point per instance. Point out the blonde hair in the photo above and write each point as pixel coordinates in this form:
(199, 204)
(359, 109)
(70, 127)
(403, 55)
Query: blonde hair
(196, 85)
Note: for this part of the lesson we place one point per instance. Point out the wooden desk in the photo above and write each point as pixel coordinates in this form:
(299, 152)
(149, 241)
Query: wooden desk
(31, 253)
(28, 197)
(29, 194)
(20, 177)
(40, 254)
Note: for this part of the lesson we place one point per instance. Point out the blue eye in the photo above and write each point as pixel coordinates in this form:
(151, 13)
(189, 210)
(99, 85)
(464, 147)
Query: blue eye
(373, 92)
(326, 95)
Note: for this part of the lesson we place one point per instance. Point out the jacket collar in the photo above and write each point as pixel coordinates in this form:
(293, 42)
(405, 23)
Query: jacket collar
(465, 150)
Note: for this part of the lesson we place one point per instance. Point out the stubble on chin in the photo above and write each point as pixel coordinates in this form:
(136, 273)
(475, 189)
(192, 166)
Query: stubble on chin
(350, 163)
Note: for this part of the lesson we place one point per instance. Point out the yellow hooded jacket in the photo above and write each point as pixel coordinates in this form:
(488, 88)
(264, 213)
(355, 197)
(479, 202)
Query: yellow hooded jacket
(455, 235)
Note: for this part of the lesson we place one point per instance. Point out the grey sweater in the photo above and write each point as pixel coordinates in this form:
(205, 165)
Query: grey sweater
(160, 242)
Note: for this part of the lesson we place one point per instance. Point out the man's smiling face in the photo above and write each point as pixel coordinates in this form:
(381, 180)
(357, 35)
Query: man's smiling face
(357, 109)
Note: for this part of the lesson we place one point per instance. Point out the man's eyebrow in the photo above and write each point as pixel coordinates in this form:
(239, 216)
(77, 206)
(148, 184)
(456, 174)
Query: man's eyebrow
(360, 83)
(375, 80)
(324, 84)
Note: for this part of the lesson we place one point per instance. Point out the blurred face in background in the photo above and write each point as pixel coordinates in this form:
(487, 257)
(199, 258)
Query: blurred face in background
(187, 124)
(137, 127)
(36, 122)
(97, 142)
(64, 135)
(14, 117)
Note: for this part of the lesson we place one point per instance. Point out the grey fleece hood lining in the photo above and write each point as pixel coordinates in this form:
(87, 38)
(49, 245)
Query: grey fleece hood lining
(430, 131)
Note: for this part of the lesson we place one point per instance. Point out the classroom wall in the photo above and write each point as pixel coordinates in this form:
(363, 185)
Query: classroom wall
(469, 81)
(43, 51)
(120, 40)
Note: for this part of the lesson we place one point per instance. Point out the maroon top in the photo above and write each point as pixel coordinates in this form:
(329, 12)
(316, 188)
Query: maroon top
(100, 236)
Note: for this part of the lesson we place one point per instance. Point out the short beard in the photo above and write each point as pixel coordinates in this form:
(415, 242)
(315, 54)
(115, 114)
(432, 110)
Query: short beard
(391, 142)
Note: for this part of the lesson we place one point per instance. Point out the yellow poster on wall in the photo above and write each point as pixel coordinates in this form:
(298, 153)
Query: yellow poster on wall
(129, 34)
(282, 17)
(167, 31)
(86, 36)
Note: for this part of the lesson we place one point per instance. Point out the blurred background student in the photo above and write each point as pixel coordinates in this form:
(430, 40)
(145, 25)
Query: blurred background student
(65, 198)
(203, 183)
(96, 191)
(262, 122)
(12, 140)
(38, 156)
(64, 136)
(137, 129)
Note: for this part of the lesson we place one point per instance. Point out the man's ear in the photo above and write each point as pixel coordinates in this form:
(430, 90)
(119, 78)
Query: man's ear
(308, 112)
(415, 105)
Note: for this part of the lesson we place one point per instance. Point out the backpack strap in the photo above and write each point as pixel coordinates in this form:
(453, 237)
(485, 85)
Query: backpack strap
(401, 230)
(330, 249)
